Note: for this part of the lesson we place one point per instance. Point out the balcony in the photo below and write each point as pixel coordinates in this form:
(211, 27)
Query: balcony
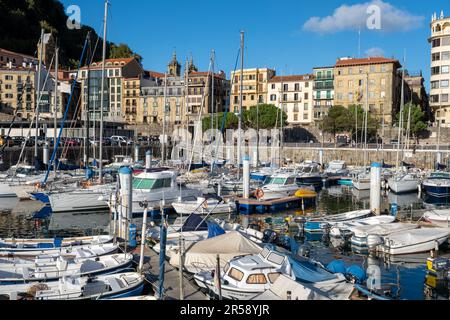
(323, 87)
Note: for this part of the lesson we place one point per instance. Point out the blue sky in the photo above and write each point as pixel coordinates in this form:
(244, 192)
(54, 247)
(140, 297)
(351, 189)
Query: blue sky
(292, 36)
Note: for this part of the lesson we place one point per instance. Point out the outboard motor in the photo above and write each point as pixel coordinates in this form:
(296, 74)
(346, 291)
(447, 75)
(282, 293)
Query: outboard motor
(270, 236)
(304, 251)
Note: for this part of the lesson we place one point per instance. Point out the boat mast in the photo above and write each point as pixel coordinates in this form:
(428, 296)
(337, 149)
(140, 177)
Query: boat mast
(239, 156)
(39, 92)
(163, 142)
(102, 93)
(212, 106)
(87, 109)
(366, 120)
(400, 123)
(55, 111)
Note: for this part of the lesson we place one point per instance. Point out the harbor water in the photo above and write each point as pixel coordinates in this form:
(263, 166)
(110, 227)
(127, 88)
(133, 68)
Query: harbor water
(406, 275)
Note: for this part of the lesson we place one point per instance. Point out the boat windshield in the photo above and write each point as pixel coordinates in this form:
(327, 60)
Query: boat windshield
(280, 181)
(440, 175)
(151, 184)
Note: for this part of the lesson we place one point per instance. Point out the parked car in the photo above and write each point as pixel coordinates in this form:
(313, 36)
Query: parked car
(120, 141)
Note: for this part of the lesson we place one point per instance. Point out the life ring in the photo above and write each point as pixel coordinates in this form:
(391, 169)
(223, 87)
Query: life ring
(259, 193)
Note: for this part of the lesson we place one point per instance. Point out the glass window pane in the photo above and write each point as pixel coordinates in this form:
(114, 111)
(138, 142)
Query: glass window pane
(257, 279)
(236, 274)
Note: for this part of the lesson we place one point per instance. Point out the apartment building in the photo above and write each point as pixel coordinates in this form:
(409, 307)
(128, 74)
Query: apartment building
(440, 68)
(115, 100)
(378, 76)
(323, 92)
(16, 59)
(255, 83)
(294, 95)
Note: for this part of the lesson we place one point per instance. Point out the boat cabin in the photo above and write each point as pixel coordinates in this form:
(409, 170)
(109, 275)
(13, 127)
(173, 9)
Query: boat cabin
(149, 181)
(280, 180)
(256, 271)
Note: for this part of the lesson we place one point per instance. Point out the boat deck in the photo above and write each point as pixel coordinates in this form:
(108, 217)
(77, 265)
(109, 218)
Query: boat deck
(171, 278)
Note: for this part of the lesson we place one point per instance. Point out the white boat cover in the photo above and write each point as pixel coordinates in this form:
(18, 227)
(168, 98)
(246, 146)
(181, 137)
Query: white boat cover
(330, 290)
(383, 229)
(438, 216)
(202, 255)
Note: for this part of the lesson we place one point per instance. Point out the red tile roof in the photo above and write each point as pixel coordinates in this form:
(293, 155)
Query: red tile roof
(16, 53)
(154, 74)
(365, 61)
(97, 65)
(302, 77)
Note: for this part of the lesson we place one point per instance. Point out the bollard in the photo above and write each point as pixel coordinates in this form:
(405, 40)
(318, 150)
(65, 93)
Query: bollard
(246, 177)
(148, 160)
(126, 194)
(132, 236)
(45, 156)
(136, 153)
(375, 188)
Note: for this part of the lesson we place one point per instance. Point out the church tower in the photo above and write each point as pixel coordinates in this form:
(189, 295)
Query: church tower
(174, 68)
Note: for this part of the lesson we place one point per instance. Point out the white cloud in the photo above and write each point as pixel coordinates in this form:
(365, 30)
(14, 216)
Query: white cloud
(354, 17)
(375, 52)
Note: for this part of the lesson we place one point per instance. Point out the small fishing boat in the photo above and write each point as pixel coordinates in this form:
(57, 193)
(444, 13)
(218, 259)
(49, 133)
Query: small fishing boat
(415, 241)
(319, 224)
(437, 188)
(70, 251)
(361, 181)
(103, 287)
(345, 229)
(308, 174)
(440, 218)
(244, 278)
(204, 206)
(45, 270)
(12, 244)
(365, 237)
(404, 183)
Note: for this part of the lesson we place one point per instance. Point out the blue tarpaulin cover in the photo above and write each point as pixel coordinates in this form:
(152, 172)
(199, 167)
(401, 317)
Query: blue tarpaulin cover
(357, 272)
(214, 230)
(306, 271)
(337, 266)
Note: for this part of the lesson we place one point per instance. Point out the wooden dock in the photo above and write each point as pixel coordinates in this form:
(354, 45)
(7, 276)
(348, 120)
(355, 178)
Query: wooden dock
(171, 278)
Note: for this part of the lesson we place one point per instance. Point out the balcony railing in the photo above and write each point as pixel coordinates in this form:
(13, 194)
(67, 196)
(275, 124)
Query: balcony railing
(323, 87)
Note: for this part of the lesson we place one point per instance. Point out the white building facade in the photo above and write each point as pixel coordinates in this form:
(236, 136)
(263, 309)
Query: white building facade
(295, 95)
(440, 68)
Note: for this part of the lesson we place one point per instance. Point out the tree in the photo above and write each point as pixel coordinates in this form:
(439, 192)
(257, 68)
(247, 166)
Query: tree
(357, 112)
(337, 121)
(418, 124)
(231, 121)
(123, 51)
(264, 116)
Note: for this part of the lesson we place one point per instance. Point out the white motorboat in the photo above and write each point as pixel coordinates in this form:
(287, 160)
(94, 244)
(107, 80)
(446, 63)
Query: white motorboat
(404, 183)
(347, 228)
(437, 188)
(42, 271)
(440, 218)
(365, 237)
(204, 206)
(71, 251)
(102, 287)
(246, 277)
(308, 173)
(337, 168)
(347, 216)
(415, 241)
(12, 244)
(154, 187)
(279, 186)
(362, 181)
(91, 198)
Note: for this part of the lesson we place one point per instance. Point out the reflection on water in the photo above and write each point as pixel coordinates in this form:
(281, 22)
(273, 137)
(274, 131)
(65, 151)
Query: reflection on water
(406, 274)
